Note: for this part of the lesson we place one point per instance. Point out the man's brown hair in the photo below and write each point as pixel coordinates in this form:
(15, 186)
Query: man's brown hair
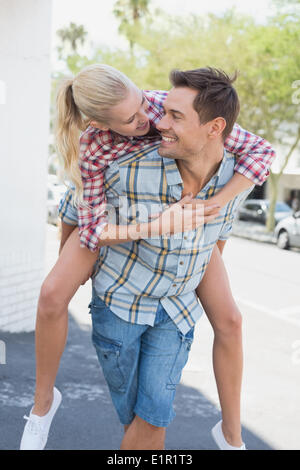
(216, 96)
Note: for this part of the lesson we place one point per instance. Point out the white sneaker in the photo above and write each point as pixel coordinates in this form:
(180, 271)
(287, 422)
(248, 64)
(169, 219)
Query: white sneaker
(220, 440)
(36, 430)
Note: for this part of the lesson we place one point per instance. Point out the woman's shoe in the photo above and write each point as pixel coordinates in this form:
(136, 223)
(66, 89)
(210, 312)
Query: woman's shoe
(220, 440)
(36, 430)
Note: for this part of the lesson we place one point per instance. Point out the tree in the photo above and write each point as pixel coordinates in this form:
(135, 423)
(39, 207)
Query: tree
(71, 37)
(130, 13)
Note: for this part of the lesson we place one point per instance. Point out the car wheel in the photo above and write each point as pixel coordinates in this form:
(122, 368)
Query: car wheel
(283, 240)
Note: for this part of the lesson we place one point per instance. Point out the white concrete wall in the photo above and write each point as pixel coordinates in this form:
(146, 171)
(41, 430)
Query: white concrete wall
(24, 125)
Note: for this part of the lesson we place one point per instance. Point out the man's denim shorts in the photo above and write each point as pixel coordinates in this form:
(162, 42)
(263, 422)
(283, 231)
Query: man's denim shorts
(142, 364)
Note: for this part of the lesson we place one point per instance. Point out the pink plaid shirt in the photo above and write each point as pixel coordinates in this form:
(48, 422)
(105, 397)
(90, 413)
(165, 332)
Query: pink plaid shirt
(98, 148)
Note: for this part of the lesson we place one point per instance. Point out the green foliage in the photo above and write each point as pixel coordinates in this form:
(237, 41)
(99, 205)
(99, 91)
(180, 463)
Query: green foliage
(130, 13)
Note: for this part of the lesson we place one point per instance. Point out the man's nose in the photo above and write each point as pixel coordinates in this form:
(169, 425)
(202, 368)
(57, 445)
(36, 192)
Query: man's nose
(163, 124)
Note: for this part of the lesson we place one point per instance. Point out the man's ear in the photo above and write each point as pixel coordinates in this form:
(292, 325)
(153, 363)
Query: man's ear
(217, 127)
(98, 125)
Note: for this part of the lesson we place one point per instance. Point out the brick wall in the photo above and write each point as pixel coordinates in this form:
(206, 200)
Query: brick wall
(25, 33)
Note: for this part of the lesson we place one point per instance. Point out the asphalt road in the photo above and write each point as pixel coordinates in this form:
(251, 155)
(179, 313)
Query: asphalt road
(266, 285)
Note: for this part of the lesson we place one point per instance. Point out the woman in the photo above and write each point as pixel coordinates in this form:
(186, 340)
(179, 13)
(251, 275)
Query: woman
(122, 120)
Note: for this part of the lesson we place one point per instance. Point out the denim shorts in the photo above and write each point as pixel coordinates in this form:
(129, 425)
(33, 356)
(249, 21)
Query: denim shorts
(142, 364)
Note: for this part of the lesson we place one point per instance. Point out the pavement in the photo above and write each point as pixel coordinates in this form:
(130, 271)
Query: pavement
(86, 418)
(252, 231)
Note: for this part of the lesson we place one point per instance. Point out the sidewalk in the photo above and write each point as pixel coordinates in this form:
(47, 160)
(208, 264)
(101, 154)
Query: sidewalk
(252, 231)
(86, 418)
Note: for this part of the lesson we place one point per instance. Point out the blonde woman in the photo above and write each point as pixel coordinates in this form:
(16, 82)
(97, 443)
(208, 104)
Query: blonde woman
(116, 119)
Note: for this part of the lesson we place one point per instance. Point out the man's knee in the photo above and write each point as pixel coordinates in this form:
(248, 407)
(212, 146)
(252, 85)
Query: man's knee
(141, 423)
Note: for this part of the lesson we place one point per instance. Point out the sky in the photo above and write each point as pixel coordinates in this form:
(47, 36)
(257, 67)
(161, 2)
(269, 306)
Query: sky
(99, 21)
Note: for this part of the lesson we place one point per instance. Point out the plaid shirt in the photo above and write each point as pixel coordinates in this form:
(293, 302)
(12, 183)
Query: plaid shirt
(133, 277)
(99, 148)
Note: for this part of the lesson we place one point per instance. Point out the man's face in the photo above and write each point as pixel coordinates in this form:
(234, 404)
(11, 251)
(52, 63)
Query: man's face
(183, 136)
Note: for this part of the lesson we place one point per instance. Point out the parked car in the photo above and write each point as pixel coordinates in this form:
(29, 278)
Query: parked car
(256, 210)
(287, 232)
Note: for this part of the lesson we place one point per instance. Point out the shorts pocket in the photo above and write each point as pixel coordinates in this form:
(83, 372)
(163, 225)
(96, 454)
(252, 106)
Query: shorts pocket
(179, 362)
(108, 352)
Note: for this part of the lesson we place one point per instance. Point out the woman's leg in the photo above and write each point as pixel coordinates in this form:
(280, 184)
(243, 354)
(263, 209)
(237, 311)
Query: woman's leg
(216, 297)
(72, 268)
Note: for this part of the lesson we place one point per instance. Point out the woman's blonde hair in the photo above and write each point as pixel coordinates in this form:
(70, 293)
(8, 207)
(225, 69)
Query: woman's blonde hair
(86, 97)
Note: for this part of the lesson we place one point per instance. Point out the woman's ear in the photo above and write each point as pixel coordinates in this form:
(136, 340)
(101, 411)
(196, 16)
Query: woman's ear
(100, 126)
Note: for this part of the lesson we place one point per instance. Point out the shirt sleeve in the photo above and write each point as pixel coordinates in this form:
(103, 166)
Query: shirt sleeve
(232, 210)
(94, 157)
(155, 99)
(255, 154)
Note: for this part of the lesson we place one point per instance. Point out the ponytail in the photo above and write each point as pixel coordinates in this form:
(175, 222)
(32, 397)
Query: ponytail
(69, 123)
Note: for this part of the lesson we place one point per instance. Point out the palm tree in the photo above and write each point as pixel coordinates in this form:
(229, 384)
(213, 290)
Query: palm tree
(129, 13)
(71, 36)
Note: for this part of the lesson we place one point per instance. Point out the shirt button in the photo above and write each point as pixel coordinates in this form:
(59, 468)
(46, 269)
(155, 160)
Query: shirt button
(181, 263)
(185, 237)
(174, 285)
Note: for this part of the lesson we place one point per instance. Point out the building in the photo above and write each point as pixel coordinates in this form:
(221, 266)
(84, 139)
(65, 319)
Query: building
(25, 36)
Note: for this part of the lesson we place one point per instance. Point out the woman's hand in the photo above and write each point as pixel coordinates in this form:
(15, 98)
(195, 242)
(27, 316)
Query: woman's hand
(183, 216)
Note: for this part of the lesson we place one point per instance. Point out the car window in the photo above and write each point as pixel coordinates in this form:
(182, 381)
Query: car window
(253, 207)
(282, 207)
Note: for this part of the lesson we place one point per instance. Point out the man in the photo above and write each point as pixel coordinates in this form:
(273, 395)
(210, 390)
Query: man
(144, 305)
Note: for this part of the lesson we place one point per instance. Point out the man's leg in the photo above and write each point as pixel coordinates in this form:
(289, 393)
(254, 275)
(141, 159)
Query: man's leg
(117, 345)
(164, 352)
(216, 298)
(141, 435)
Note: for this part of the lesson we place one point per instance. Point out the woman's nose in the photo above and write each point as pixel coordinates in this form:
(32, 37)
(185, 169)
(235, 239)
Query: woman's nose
(143, 115)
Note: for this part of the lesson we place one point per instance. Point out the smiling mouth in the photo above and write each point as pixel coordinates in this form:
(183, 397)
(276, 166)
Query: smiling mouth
(144, 126)
(168, 140)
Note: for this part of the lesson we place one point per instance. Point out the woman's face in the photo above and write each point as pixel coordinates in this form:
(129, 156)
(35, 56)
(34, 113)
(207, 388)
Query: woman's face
(129, 117)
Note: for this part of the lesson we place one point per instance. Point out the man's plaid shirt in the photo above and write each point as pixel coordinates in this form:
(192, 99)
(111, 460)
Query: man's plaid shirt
(133, 277)
(99, 148)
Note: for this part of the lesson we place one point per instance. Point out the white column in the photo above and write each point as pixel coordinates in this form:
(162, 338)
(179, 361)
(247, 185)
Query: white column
(25, 35)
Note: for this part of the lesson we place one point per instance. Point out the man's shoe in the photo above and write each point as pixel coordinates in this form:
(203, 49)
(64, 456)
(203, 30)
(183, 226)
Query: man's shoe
(36, 430)
(220, 440)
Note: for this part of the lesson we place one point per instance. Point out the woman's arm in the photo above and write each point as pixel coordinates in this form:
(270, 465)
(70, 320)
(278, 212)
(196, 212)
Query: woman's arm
(254, 159)
(177, 218)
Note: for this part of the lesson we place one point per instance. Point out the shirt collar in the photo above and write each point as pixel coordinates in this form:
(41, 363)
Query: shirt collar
(173, 175)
